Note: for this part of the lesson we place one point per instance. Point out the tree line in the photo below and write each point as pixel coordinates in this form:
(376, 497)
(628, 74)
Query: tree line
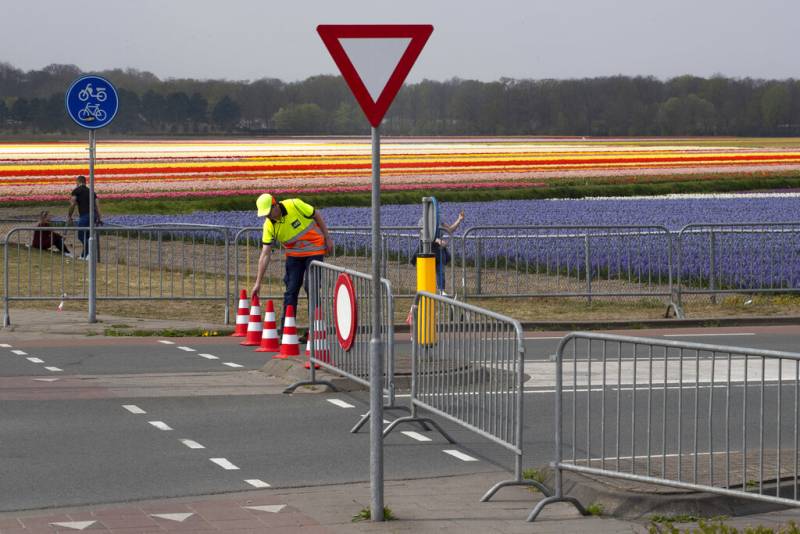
(32, 102)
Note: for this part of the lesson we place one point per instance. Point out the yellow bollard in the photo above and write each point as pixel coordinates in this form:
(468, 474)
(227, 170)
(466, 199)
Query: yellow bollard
(426, 313)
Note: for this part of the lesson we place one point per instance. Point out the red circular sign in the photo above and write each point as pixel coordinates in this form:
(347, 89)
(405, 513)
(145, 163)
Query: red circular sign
(345, 311)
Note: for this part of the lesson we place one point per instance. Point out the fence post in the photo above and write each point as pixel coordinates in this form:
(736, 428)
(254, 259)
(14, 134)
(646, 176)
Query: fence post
(712, 266)
(478, 261)
(6, 311)
(587, 267)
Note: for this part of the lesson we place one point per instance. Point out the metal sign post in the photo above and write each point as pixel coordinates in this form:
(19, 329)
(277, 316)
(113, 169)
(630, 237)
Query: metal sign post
(92, 102)
(374, 60)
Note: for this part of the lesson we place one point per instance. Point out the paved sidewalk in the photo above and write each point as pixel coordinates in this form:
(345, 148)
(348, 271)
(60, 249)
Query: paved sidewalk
(438, 505)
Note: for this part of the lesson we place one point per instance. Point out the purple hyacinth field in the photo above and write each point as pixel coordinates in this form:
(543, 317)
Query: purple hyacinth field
(741, 258)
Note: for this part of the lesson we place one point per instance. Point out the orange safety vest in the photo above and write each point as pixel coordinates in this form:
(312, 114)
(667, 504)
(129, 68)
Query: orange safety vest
(296, 230)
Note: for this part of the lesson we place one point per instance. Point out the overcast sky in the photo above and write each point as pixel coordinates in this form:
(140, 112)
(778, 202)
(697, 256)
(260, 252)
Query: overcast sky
(251, 39)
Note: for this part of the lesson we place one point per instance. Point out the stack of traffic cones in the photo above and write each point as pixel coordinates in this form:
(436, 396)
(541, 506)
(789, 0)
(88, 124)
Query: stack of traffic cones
(242, 316)
(321, 351)
(290, 346)
(269, 337)
(254, 326)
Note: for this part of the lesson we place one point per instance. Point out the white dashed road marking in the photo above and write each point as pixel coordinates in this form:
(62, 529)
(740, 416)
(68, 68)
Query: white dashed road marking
(271, 508)
(711, 335)
(5, 345)
(208, 356)
(340, 403)
(191, 444)
(19, 352)
(133, 408)
(256, 483)
(165, 342)
(179, 518)
(161, 425)
(187, 349)
(231, 364)
(35, 360)
(224, 463)
(460, 455)
(54, 369)
(416, 435)
(46, 379)
(75, 525)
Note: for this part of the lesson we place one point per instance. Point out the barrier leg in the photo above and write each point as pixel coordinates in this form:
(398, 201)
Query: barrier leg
(497, 487)
(364, 418)
(553, 499)
(292, 387)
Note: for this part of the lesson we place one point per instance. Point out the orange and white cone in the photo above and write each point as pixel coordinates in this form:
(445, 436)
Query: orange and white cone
(242, 315)
(269, 336)
(321, 351)
(254, 326)
(290, 345)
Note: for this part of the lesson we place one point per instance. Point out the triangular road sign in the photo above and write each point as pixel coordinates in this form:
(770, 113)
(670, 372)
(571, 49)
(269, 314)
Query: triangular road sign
(375, 59)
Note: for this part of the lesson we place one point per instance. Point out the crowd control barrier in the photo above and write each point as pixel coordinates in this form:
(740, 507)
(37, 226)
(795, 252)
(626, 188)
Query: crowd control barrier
(467, 367)
(692, 416)
(328, 347)
(165, 263)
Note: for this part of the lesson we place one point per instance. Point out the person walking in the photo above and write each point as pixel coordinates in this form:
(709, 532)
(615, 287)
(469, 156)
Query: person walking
(80, 199)
(302, 231)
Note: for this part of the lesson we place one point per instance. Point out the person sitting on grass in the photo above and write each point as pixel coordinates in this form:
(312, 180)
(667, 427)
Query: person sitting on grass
(47, 239)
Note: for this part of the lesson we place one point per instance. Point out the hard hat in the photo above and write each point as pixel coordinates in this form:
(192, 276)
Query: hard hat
(264, 204)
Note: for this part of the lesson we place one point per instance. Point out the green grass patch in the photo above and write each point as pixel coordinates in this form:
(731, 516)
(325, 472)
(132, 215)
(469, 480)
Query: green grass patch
(116, 331)
(595, 509)
(365, 514)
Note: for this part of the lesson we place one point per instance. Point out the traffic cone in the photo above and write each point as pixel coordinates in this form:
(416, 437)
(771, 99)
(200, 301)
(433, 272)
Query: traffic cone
(254, 325)
(290, 346)
(321, 351)
(242, 315)
(269, 337)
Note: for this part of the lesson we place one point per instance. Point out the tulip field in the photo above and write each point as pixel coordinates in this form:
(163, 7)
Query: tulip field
(41, 172)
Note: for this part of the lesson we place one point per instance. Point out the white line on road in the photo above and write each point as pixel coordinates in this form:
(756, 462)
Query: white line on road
(161, 425)
(5, 345)
(416, 435)
(542, 337)
(54, 369)
(231, 364)
(340, 403)
(191, 444)
(224, 463)
(208, 356)
(256, 483)
(711, 335)
(133, 408)
(187, 349)
(19, 352)
(35, 360)
(165, 342)
(460, 455)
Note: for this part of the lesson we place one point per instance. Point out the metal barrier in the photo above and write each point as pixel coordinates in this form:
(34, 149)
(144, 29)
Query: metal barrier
(135, 264)
(352, 249)
(467, 367)
(718, 259)
(566, 261)
(327, 352)
(693, 416)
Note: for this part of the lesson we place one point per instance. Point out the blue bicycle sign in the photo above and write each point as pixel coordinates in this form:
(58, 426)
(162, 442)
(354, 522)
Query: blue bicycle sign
(92, 102)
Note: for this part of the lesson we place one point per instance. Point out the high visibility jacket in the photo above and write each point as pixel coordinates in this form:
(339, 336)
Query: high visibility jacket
(296, 230)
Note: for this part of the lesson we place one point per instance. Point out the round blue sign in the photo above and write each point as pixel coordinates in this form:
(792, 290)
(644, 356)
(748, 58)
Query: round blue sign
(92, 102)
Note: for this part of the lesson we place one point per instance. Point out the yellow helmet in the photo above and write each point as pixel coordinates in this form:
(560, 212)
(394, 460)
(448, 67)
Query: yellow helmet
(264, 204)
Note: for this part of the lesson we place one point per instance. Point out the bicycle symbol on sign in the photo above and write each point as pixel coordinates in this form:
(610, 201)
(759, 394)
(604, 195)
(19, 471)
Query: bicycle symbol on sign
(86, 93)
(92, 112)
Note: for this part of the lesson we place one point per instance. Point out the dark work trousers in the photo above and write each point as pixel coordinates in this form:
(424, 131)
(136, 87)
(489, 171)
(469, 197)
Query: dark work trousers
(295, 277)
(83, 236)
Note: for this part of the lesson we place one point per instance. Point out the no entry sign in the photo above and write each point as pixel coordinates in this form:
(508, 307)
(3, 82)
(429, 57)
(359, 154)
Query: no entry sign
(345, 311)
(375, 59)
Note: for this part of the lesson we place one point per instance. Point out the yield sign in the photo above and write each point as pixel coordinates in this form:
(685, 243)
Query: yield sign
(375, 59)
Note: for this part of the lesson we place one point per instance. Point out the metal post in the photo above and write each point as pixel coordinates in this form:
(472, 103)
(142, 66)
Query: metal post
(588, 268)
(712, 266)
(92, 240)
(6, 311)
(375, 345)
(478, 262)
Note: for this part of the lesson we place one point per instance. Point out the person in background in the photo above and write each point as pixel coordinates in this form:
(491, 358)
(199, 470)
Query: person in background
(302, 231)
(439, 249)
(80, 199)
(47, 239)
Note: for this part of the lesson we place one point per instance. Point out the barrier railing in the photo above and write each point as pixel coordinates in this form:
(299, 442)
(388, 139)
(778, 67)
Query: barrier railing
(693, 416)
(566, 261)
(467, 367)
(134, 264)
(716, 259)
(325, 349)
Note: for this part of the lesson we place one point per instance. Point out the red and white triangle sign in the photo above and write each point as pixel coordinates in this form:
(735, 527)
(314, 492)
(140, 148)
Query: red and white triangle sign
(375, 59)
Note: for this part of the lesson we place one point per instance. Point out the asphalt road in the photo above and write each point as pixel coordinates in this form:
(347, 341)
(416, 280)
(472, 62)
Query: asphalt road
(91, 444)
